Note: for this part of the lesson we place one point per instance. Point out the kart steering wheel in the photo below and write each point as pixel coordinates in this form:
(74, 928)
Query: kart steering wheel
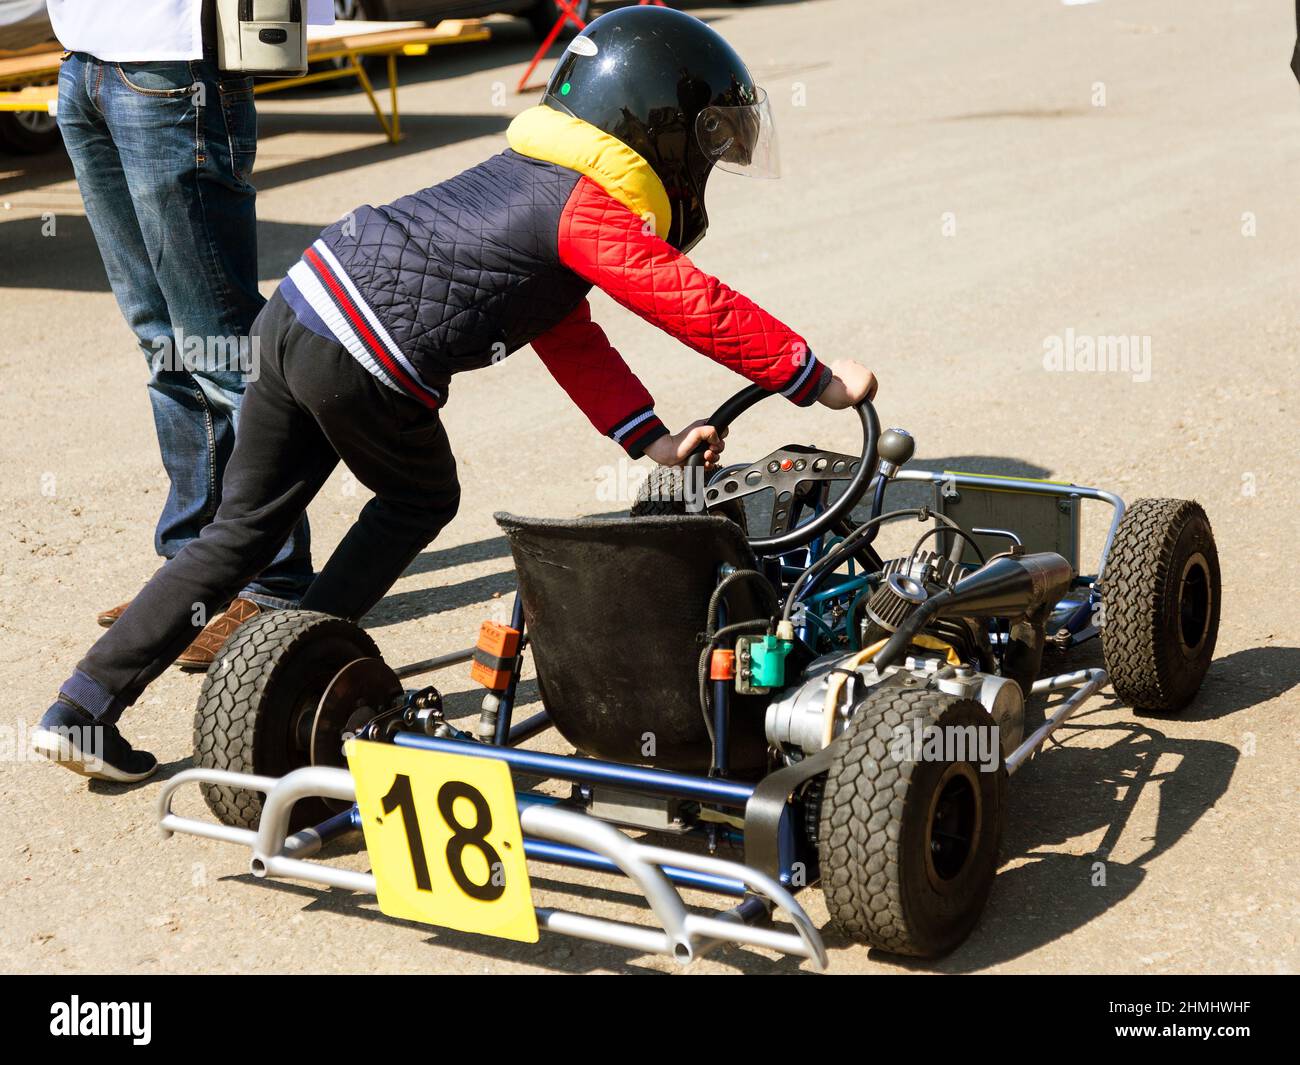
(790, 471)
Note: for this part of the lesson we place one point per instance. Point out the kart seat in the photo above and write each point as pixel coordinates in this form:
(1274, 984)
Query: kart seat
(614, 610)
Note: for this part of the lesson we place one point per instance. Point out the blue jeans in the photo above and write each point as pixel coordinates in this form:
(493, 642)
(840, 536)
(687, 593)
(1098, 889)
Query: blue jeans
(162, 154)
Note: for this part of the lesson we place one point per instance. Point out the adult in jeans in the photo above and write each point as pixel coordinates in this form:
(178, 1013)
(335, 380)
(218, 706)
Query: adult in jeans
(163, 145)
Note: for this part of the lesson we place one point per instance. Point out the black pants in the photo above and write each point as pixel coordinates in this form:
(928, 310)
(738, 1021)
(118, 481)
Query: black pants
(311, 405)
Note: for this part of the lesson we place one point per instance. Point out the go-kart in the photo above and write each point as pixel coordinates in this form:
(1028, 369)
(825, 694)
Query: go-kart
(758, 700)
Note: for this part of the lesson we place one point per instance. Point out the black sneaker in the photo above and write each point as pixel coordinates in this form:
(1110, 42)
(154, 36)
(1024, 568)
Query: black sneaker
(71, 737)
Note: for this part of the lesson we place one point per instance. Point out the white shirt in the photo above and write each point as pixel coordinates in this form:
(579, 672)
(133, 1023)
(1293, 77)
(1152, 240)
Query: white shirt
(141, 31)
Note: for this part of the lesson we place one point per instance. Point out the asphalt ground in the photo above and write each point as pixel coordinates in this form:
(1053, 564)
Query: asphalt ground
(962, 183)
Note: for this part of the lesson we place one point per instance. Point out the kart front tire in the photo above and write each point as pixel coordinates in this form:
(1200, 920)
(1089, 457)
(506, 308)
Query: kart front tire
(908, 848)
(1161, 596)
(662, 492)
(249, 717)
(665, 491)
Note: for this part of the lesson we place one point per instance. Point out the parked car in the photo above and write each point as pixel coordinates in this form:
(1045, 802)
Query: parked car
(25, 26)
(541, 14)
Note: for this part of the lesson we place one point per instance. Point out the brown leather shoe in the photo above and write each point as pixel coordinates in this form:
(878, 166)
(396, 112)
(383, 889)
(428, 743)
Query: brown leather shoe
(109, 616)
(208, 644)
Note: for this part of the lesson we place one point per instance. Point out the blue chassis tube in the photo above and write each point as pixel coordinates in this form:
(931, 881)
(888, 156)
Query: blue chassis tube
(728, 793)
(581, 770)
(593, 771)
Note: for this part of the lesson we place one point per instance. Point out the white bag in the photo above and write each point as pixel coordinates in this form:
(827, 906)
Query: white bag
(266, 37)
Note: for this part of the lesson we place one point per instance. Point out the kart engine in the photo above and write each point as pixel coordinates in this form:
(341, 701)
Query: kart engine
(906, 584)
(921, 628)
(798, 718)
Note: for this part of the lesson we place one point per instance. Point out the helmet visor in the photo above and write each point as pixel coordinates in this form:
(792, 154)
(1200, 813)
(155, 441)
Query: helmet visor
(741, 139)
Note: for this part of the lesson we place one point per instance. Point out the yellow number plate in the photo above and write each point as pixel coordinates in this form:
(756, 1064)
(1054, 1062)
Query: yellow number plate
(444, 839)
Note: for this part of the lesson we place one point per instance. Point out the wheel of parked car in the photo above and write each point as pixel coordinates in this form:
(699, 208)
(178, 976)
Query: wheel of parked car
(1160, 597)
(258, 708)
(909, 832)
(359, 11)
(29, 132)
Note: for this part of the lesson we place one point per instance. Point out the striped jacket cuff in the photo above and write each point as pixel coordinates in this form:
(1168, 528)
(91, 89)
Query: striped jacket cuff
(809, 382)
(638, 430)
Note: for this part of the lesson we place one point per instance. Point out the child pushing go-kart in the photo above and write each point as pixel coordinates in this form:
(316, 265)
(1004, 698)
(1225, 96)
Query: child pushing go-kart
(602, 184)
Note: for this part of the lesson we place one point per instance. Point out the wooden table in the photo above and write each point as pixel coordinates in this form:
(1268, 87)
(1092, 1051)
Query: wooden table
(29, 82)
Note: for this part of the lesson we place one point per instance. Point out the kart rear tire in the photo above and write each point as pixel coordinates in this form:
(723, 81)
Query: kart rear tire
(892, 877)
(1161, 596)
(274, 670)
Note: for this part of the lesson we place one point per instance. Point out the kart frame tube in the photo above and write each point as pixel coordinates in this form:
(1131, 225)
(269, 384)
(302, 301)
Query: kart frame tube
(721, 707)
(429, 665)
(1086, 683)
(565, 854)
(506, 708)
(728, 793)
(1012, 484)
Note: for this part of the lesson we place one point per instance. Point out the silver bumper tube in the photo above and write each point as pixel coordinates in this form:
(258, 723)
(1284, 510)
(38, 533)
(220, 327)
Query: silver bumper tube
(680, 934)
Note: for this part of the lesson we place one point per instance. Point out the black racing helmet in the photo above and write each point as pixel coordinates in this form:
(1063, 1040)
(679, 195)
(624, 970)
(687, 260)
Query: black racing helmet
(669, 87)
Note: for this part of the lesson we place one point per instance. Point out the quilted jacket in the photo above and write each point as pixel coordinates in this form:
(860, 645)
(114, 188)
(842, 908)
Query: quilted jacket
(461, 274)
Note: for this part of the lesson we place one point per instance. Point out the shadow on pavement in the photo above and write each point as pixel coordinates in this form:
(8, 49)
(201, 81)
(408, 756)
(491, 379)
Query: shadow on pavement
(409, 606)
(420, 133)
(166, 770)
(1245, 678)
(1089, 779)
(460, 555)
(70, 260)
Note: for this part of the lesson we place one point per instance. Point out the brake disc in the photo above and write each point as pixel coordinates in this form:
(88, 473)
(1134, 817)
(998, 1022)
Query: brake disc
(361, 691)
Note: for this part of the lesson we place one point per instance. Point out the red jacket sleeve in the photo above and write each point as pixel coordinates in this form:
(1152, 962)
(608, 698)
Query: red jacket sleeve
(605, 243)
(581, 358)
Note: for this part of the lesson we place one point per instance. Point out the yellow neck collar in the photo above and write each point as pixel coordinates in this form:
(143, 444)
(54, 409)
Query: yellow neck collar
(543, 133)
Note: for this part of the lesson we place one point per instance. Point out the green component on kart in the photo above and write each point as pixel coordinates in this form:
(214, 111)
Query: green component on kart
(766, 665)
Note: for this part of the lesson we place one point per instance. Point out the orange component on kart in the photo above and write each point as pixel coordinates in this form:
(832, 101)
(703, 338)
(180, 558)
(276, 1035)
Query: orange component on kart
(494, 655)
(722, 665)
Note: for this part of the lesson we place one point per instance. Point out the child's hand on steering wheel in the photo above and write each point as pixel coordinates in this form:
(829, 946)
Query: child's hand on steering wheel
(851, 383)
(675, 448)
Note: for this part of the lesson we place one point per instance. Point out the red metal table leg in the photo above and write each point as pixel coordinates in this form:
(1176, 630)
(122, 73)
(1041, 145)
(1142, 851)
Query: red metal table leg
(568, 13)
